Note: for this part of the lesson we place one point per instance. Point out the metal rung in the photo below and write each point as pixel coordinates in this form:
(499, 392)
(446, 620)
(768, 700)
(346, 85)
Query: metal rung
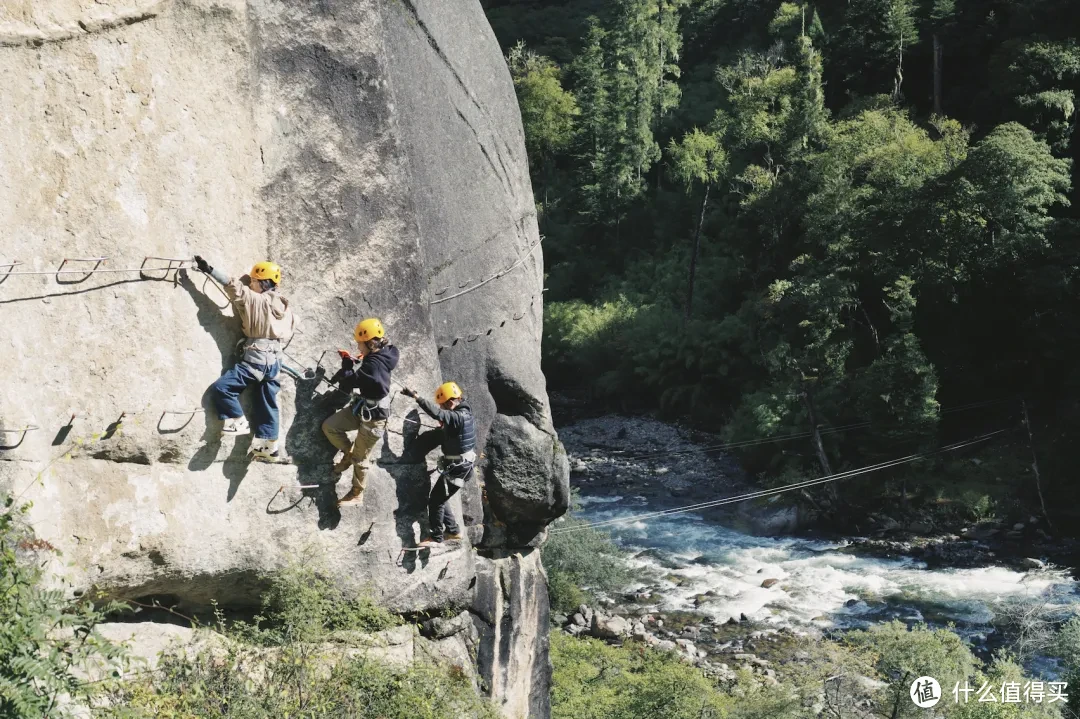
(144, 269)
(194, 411)
(97, 268)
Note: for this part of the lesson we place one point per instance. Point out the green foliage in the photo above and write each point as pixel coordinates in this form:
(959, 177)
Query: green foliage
(303, 605)
(1000, 671)
(851, 250)
(295, 662)
(595, 681)
(1067, 649)
(45, 638)
(579, 563)
(296, 682)
(583, 338)
(901, 655)
(697, 158)
(547, 110)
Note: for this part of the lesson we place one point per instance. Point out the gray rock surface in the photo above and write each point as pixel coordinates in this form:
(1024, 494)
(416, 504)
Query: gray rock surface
(371, 147)
(615, 627)
(511, 614)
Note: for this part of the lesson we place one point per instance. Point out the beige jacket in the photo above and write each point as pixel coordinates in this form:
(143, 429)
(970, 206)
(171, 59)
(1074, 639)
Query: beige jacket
(264, 315)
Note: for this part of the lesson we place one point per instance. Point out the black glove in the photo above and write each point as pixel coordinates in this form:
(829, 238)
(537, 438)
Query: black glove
(203, 265)
(408, 392)
(347, 362)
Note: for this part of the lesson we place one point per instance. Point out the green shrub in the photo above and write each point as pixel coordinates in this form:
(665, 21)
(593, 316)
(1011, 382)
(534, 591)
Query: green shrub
(303, 604)
(583, 340)
(1001, 670)
(581, 562)
(44, 637)
(595, 681)
(901, 655)
(285, 665)
(1067, 650)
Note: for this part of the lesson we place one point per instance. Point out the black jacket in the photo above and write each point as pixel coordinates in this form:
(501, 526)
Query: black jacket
(372, 377)
(459, 430)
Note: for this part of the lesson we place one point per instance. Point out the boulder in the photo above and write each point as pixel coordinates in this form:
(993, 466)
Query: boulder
(769, 583)
(1032, 563)
(443, 627)
(687, 646)
(610, 627)
(666, 645)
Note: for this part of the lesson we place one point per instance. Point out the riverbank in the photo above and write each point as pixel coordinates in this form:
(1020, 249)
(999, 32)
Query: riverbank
(719, 584)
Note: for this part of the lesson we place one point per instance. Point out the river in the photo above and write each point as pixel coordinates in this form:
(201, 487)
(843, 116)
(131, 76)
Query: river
(694, 562)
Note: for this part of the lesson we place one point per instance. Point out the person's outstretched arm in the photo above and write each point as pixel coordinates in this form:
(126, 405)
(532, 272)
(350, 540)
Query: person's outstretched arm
(450, 418)
(234, 286)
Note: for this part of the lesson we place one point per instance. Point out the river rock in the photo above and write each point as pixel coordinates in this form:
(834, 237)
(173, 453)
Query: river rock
(610, 627)
(687, 646)
(980, 532)
(769, 583)
(578, 620)
(851, 602)
(666, 645)
(920, 527)
(1032, 563)
(1018, 527)
(560, 619)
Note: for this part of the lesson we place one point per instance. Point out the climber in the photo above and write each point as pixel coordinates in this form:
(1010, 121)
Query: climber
(268, 323)
(368, 413)
(456, 465)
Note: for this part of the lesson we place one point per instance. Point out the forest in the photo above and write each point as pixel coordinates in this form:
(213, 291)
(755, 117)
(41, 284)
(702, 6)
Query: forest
(852, 219)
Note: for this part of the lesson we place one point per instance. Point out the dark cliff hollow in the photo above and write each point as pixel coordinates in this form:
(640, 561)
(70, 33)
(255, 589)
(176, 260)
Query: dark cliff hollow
(371, 147)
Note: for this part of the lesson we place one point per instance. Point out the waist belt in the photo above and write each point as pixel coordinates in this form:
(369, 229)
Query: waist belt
(366, 409)
(261, 350)
(469, 457)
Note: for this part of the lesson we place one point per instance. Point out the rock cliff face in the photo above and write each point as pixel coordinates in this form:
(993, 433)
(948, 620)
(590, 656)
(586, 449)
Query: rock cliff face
(371, 147)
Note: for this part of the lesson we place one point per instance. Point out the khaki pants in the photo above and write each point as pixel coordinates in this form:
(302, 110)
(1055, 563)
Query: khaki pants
(337, 427)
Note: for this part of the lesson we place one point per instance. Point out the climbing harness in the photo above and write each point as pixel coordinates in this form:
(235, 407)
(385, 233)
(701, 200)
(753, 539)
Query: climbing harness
(363, 407)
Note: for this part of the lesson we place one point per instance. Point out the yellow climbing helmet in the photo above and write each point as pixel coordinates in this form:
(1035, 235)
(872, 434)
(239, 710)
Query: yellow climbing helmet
(447, 391)
(266, 271)
(368, 329)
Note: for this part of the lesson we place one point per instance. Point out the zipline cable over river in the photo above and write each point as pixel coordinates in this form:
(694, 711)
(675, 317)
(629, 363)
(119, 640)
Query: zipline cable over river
(786, 488)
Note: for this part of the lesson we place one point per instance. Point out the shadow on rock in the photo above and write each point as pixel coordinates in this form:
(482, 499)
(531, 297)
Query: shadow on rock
(310, 451)
(236, 465)
(225, 331)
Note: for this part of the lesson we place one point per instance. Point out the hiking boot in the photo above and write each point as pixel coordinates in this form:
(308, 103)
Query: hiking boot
(354, 497)
(429, 543)
(452, 537)
(235, 426)
(266, 450)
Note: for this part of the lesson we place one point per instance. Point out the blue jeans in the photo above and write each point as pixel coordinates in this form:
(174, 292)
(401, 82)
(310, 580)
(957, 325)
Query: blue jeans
(227, 389)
